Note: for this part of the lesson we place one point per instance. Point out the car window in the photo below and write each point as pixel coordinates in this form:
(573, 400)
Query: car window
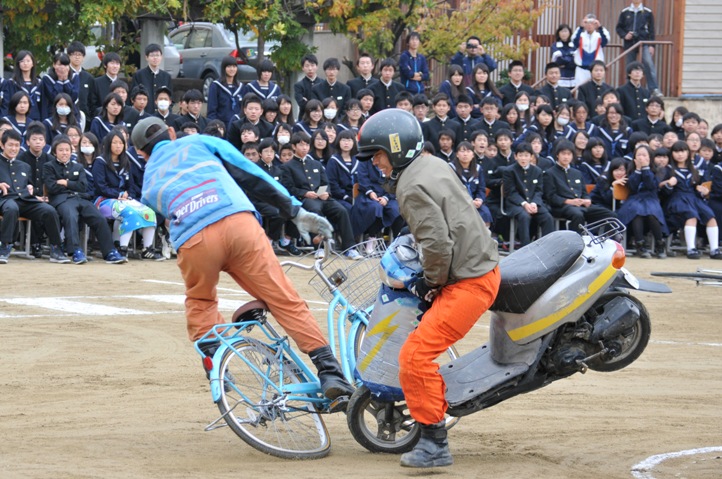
(199, 38)
(179, 39)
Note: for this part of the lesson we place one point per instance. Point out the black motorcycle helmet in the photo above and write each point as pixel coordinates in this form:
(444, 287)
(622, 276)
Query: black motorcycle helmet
(395, 131)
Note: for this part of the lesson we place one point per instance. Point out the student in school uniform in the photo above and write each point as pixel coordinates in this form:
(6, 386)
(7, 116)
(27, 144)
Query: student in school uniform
(481, 87)
(152, 77)
(37, 152)
(111, 115)
(594, 89)
(523, 193)
(715, 195)
(613, 131)
(470, 174)
(365, 78)
(464, 125)
(303, 89)
(18, 114)
(263, 87)
(61, 117)
(163, 103)
(76, 53)
(447, 141)
(563, 55)
(24, 79)
(311, 118)
(224, 94)
(441, 120)
(552, 89)
(515, 85)
(413, 66)
(603, 192)
(194, 99)
(562, 122)
(489, 122)
(543, 125)
(101, 85)
(632, 95)
(453, 86)
(653, 122)
(138, 107)
(330, 86)
(60, 79)
(386, 89)
(595, 161)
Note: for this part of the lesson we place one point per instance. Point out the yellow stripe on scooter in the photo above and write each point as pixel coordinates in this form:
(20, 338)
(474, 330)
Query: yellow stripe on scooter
(381, 327)
(540, 324)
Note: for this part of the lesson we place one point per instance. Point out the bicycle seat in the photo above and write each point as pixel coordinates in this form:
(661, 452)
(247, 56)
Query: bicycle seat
(249, 310)
(528, 272)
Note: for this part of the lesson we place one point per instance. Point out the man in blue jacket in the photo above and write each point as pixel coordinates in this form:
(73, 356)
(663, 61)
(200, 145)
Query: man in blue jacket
(475, 53)
(204, 186)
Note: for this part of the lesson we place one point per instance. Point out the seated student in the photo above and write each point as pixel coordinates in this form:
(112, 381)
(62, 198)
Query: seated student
(609, 98)
(111, 115)
(20, 198)
(19, 112)
(285, 153)
(595, 161)
(515, 85)
(111, 174)
(270, 110)
(556, 93)
(447, 141)
(504, 141)
(580, 140)
(635, 139)
(562, 118)
(690, 123)
(482, 86)
(386, 89)
(163, 106)
(580, 117)
(420, 106)
(715, 195)
(263, 87)
(353, 116)
(194, 99)
(537, 145)
(706, 153)
(565, 191)
(642, 210)
(655, 141)
(302, 177)
(365, 78)
(249, 134)
(453, 86)
(89, 150)
(440, 121)
(36, 153)
(511, 114)
(632, 95)
(320, 147)
(523, 102)
(653, 122)
(331, 87)
(480, 141)
(603, 192)
(252, 113)
(470, 174)
(685, 207)
(251, 151)
(61, 116)
(543, 125)
(669, 139)
(614, 132)
(703, 128)
(121, 88)
(282, 134)
(366, 97)
(489, 122)
(311, 119)
(404, 101)
(215, 128)
(138, 110)
(464, 123)
(523, 193)
(285, 110)
(331, 112)
(331, 132)
(66, 185)
(595, 89)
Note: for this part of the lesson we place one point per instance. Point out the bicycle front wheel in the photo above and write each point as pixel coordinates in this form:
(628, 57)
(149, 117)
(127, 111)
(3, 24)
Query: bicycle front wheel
(255, 410)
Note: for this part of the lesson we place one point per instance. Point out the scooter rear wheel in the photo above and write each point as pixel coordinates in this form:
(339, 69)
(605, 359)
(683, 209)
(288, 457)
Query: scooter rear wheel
(632, 342)
(381, 426)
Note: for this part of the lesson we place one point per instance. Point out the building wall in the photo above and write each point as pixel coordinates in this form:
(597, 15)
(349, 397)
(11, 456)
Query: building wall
(702, 68)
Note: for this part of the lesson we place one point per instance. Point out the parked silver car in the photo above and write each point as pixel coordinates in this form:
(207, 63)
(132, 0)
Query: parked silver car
(203, 46)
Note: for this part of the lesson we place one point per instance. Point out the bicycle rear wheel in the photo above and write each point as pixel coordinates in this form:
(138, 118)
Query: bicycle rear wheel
(258, 414)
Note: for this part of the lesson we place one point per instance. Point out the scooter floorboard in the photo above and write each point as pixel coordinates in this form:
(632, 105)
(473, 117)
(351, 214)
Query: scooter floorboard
(474, 373)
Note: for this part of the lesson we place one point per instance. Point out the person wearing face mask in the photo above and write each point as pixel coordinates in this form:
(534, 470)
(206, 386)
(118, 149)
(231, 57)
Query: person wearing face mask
(163, 104)
(59, 80)
(282, 133)
(62, 116)
(562, 120)
(330, 110)
(66, 183)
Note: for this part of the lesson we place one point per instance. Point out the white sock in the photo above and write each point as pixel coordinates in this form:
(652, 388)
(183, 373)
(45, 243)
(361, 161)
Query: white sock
(148, 234)
(690, 232)
(284, 241)
(125, 238)
(713, 237)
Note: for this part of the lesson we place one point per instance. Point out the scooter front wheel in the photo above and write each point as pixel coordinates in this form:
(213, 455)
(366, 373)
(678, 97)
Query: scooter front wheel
(381, 426)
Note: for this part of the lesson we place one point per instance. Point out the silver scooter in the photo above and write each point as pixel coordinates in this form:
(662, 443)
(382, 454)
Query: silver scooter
(563, 307)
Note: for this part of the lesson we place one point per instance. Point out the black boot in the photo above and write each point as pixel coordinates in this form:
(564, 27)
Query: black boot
(333, 382)
(642, 250)
(660, 249)
(432, 450)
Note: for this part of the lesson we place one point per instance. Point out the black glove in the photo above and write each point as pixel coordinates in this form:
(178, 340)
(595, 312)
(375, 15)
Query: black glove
(422, 290)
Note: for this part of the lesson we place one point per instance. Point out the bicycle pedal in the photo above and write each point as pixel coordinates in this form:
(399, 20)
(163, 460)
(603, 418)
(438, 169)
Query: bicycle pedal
(339, 404)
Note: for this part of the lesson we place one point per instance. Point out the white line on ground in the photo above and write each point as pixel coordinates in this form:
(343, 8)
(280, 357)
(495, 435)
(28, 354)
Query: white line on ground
(644, 468)
(679, 343)
(75, 307)
(236, 291)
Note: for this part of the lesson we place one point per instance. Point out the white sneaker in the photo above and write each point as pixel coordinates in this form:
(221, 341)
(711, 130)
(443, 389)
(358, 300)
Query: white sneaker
(370, 246)
(319, 254)
(354, 255)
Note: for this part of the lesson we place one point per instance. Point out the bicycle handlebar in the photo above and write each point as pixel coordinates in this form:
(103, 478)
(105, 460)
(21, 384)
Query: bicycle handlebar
(316, 267)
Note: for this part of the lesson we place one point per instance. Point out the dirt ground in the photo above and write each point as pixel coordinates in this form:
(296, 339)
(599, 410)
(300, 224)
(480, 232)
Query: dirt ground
(98, 380)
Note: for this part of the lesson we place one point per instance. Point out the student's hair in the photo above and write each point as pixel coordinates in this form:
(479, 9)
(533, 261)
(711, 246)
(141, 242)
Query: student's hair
(615, 163)
(311, 105)
(138, 90)
(35, 128)
(429, 148)
(610, 92)
(346, 135)
(282, 126)
(63, 59)
(58, 140)
(563, 145)
(111, 57)
(300, 136)
(76, 128)
(352, 103)
(267, 143)
(309, 57)
(215, 128)
(448, 133)
(251, 98)
(364, 92)
(661, 151)
(105, 151)
(634, 66)
(18, 75)
(326, 152)
(413, 35)
(576, 105)
(252, 145)
(11, 135)
(634, 138)
(707, 143)
(587, 155)
(439, 97)
(655, 136)
(458, 168)
(455, 90)
(464, 99)
(269, 104)
(250, 127)
(524, 147)
(489, 101)
(55, 118)
(326, 103)
(388, 62)
(331, 63)
(477, 133)
(286, 146)
(421, 99)
(152, 48)
(15, 100)
(193, 95)
(190, 125)
(598, 63)
(691, 116)
(689, 164)
(96, 147)
(563, 26)
(717, 128)
(489, 85)
(549, 133)
(504, 132)
(515, 63)
(404, 95)
(618, 108)
(657, 100)
(517, 127)
(76, 47)
(550, 66)
(104, 109)
(265, 66)
(226, 62)
(119, 84)
(545, 100)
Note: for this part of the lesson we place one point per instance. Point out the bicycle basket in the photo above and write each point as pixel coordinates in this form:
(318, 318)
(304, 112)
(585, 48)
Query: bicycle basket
(358, 281)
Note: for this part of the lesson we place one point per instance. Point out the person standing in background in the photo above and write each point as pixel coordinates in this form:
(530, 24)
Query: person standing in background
(589, 41)
(635, 24)
(413, 66)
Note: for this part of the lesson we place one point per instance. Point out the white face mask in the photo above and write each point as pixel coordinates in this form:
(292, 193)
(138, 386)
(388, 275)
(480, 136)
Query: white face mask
(679, 122)
(330, 113)
(563, 121)
(282, 140)
(163, 105)
(87, 150)
(522, 107)
(63, 110)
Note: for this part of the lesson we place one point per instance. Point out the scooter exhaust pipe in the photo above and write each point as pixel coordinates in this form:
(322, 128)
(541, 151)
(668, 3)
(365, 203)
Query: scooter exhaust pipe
(619, 315)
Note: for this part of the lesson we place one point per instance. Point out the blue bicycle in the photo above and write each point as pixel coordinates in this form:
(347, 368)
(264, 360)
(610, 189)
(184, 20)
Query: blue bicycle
(265, 392)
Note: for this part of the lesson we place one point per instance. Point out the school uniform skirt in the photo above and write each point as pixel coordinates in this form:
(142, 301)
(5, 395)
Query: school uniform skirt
(365, 211)
(131, 214)
(642, 204)
(687, 205)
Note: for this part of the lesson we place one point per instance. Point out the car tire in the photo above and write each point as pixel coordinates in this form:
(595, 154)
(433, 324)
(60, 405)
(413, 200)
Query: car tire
(208, 78)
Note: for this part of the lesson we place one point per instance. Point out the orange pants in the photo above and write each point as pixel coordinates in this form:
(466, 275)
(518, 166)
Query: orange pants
(238, 245)
(455, 310)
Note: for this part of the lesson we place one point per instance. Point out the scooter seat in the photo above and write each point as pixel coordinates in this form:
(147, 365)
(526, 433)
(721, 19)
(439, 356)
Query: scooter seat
(528, 272)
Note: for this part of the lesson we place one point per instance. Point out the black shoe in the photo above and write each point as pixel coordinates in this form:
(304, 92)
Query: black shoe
(57, 255)
(36, 250)
(642, 250)
(716, 254)
(693, 254)
(432, 450)
(151, 253)
(332, 380)
(660, 249)
(291, 249)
